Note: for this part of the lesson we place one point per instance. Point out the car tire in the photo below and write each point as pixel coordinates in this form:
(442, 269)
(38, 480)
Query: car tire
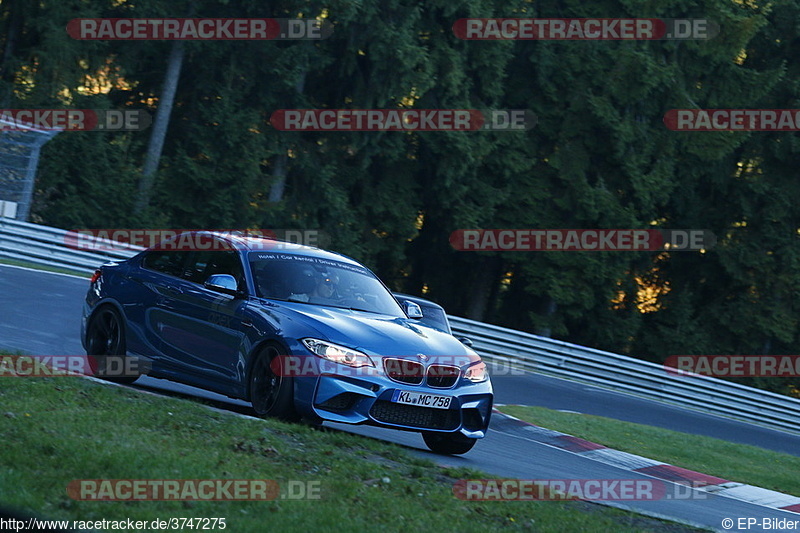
(448, 443)
(105, 337)
(271, 394)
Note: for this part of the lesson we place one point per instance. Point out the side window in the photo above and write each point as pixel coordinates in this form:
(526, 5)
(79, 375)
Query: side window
(166, 262)
(196, 267)
(207, 263)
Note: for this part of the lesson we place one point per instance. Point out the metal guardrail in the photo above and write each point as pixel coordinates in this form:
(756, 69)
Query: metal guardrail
(619, 372)
(50, 246)
(53, 247)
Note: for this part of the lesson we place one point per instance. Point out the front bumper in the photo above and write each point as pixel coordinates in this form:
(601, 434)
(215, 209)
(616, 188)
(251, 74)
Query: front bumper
(354, 400)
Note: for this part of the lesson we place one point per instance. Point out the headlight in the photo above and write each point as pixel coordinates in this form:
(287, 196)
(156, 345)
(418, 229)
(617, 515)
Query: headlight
(476, 372)
(337, 354)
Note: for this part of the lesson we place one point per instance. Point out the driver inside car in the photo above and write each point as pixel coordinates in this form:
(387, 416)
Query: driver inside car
(311, 286)
(326, 287)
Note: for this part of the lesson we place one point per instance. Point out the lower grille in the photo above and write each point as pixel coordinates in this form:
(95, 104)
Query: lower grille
(340, 402)
(473, 420)
(413, 416)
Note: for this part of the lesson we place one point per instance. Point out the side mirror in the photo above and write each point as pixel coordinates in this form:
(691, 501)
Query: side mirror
(224, 283)
(412, 310)
(466, 341)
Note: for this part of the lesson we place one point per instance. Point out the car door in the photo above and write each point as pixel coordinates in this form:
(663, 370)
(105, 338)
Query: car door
(158, 284)
(204, 335)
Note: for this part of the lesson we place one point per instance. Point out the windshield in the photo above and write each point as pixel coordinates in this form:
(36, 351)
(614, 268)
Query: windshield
(318, 281)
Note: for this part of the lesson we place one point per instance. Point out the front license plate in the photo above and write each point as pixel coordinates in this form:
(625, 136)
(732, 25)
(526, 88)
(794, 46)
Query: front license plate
(437, 401)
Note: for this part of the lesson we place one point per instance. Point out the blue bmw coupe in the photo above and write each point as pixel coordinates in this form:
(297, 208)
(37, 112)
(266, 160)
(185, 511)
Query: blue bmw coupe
(298, 332)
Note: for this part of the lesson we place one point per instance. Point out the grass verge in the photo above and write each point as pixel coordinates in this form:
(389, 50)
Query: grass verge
(736, 462)
(46, 268)
(55, 430)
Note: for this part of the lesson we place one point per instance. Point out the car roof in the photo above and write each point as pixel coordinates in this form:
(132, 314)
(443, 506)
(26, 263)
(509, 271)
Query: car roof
(252, 243)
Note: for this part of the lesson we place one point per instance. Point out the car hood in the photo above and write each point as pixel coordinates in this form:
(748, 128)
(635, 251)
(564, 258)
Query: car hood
(375, 334)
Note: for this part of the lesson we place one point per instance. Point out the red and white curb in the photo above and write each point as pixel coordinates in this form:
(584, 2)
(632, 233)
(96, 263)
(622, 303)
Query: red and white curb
(657, 469)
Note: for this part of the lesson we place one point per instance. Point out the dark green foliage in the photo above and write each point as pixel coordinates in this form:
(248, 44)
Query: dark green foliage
(599, 157)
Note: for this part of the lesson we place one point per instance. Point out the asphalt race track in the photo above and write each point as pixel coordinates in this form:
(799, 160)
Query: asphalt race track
(40, 314)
